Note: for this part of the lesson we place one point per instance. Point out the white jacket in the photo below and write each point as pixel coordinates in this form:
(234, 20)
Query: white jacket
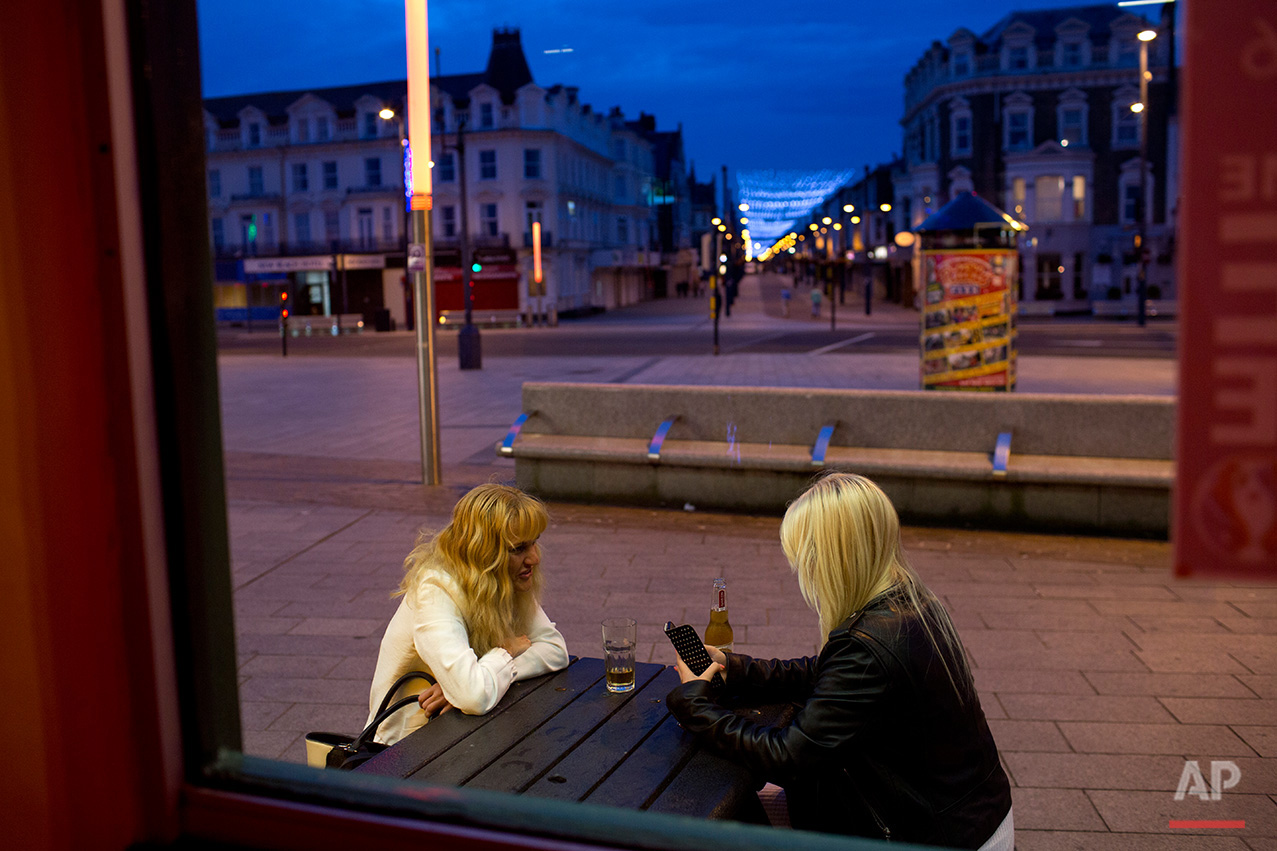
(427, 633)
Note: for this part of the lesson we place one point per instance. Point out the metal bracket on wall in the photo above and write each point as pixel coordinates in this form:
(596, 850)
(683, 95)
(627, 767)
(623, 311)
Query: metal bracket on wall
(507, 445)
(822, 445)
(1001, 455)
(658, 439)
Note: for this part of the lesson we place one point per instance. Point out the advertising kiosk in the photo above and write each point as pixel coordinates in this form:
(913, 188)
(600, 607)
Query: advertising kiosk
(970, 276)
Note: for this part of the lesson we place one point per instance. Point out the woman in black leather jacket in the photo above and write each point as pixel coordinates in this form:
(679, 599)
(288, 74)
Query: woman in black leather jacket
(890, 741)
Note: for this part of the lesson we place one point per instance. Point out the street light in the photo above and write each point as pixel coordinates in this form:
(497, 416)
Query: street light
(1141, 287)
(469, 355)
(418, 109)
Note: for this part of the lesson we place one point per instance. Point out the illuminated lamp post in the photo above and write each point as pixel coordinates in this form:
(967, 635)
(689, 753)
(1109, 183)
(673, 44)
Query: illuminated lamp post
(421, 248)
(1141, 108)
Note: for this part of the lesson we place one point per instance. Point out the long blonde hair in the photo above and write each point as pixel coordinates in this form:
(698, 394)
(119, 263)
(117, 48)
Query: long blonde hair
(842, 539)
(474, 549)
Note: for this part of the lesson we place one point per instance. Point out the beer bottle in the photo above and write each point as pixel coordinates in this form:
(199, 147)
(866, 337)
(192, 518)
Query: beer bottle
(719, 632)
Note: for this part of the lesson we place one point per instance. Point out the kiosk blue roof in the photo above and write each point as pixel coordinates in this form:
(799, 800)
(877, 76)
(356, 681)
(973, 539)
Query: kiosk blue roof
(965, 212)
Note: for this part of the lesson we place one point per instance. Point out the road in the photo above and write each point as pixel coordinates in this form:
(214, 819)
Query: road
(682, 327)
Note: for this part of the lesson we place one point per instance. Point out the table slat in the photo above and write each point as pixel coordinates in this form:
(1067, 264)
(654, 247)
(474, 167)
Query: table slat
(554, 693)
(573, 777)
(646, 769)
(525, 762)
(441, 733)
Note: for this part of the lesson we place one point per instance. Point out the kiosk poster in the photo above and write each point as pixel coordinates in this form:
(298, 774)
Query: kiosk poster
(968, 319)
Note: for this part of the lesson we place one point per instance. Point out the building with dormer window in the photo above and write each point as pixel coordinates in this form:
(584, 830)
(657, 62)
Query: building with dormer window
(1035, 115)
(306, 195)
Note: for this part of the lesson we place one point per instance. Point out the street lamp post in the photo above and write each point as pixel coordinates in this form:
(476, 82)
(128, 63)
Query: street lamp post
(422, 275)
(468, 348)
(386, 115)
(1141, 289)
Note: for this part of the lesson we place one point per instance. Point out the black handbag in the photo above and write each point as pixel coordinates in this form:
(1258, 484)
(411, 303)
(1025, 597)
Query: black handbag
(335, 750)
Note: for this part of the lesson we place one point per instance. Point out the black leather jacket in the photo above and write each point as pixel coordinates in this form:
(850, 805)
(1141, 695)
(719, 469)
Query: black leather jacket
(883, 745)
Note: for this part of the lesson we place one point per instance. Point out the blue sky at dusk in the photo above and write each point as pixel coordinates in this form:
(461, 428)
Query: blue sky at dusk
(756, 85)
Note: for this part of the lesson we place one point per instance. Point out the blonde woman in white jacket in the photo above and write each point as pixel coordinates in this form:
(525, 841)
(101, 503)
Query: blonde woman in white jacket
(470, 614)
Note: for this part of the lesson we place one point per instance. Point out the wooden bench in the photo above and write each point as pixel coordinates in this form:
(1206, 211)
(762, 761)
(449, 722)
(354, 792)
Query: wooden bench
(1022, 461)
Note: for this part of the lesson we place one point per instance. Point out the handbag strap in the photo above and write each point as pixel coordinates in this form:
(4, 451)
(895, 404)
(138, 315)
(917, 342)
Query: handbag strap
(385, 713)
(390, 692)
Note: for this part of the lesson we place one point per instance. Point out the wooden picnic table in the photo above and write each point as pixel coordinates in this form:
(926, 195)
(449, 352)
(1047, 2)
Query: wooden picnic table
(565, 736)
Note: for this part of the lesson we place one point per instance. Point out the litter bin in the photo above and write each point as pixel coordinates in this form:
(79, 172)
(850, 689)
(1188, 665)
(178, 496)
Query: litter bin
(970, 273)
(381, 319)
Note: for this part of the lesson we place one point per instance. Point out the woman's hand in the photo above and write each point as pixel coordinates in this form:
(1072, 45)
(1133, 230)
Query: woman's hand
(718, 664)
(432, 701)
(517, 645)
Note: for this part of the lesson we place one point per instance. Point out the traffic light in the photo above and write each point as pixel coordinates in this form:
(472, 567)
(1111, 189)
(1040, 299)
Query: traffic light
(283, 304)
(476, 267)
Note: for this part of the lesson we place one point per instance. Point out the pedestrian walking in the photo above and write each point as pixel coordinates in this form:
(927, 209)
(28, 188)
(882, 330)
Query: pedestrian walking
(815, 301)
(785, 296)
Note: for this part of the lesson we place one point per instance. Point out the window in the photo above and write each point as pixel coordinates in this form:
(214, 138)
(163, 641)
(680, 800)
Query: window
(303, 130)
(488, 220)
(1017, 131)
(1126, 124)
(961, 64)
(330, 174)
(301, 227)
(1079, 198)
(531, 163)
(1071, 54)
(486, 121)
(1018, 58)
(254, 135)
(301, 179)
(321, 128)
(622, 229)
(533, 212)
(1072, 125)
(1079, 279)
(247, 229)
(959, 128)
(219, 233)
(332, 225)
(487, 165)
(446, 168)
(1048, 193)
(255, 180)
(363, 219)
(1017, 195)
(1130, 203)
(214, 183)
(387, 224)
(621, 194)
(372, 171)
(618, 149)
(1049, 277)
(370, 125)
(448, 220)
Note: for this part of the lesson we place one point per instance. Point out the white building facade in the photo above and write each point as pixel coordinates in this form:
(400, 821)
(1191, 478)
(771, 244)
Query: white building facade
(306, 194)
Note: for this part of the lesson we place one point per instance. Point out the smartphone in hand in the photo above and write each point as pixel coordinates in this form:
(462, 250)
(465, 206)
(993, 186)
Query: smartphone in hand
(691, 650)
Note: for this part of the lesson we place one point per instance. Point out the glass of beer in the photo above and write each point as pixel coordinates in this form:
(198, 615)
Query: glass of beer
(619, 638)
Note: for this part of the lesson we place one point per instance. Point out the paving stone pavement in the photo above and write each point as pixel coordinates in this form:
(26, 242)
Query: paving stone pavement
(1100, 674)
